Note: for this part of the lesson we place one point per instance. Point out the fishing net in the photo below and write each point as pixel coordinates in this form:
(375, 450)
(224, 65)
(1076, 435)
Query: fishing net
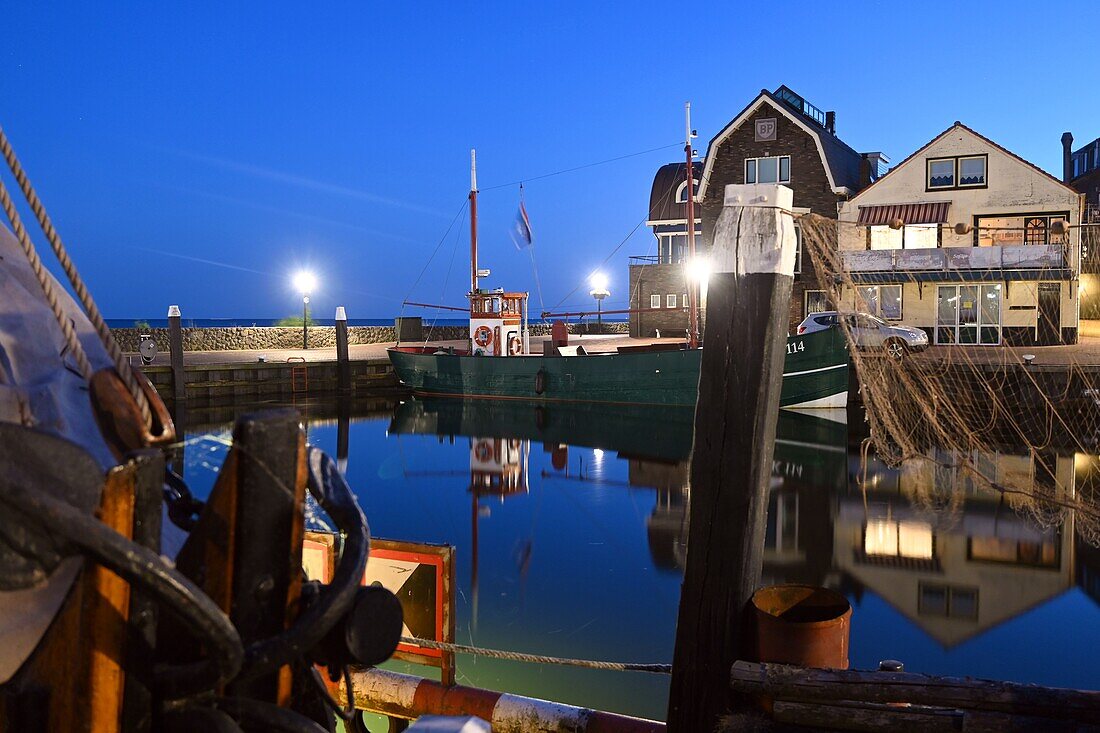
(956, 420)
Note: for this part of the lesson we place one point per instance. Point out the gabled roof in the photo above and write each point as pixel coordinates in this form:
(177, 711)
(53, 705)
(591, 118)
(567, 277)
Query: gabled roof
(841, 161)
(960, 126)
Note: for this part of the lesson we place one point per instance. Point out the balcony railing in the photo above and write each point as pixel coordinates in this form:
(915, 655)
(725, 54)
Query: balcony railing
(1024, 257)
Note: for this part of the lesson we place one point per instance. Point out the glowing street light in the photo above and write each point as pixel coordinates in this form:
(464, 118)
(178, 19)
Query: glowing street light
(305, 282)
(599, 291)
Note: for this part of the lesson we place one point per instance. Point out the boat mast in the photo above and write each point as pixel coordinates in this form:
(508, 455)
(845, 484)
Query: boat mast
(473, 221)
(693, 284)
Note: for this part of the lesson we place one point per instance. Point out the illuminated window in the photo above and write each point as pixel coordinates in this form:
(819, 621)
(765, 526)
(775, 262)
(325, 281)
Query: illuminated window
(891, 538)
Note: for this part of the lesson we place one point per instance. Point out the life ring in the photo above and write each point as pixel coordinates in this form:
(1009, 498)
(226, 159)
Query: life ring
(483, 451)
(515, 346)
(540, 381)
(483, 336)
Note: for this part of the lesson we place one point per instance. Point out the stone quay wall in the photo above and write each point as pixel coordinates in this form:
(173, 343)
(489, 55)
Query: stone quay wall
(278, 337)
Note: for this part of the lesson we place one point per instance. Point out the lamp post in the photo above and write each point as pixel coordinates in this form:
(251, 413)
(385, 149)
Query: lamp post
(304, 283)
(599, 292)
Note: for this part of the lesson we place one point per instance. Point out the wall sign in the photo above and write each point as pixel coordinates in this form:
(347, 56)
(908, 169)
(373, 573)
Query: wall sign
(765, 129)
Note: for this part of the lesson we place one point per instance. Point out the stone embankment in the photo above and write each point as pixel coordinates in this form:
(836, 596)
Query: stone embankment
(256, 337)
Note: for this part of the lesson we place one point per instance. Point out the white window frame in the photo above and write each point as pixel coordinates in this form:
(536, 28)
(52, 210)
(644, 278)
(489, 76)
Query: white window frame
(685, 300)
(670, 300)
(681, 198)
(778, 168)
(985, 171)
(655, 301)
(954, 174)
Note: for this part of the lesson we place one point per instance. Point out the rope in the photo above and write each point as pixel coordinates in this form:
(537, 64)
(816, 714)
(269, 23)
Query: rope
(538, 658)
(71, 341)
(77, 282)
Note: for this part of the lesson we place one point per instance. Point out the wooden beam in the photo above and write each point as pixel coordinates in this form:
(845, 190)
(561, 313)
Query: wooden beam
(788, 682)
(739, 384)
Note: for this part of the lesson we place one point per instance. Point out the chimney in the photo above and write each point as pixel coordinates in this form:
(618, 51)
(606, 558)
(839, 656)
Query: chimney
(830, 122)
(1067, 157)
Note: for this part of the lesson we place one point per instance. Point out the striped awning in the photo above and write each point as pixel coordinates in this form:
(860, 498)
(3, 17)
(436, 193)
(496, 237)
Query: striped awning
(933, 213)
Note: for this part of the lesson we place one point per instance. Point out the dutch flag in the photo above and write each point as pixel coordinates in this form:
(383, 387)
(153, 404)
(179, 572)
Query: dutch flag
(521, 229)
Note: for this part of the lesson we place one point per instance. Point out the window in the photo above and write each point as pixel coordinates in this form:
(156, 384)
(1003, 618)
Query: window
(891, 538)
(768, 170)
(655, 301)
(972, 171)
(883, 301)
(797, 249)
(945, 600)
(681, 191)
(910, 236)
(965, 171)
(826, 320)
(817, 301)
(1007, 231)
(941, 173)
(685, 300)
(670, 300)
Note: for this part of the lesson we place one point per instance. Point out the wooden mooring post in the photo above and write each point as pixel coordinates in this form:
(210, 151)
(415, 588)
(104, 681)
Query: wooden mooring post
(343, 365)
(175, 348)
(739, 384)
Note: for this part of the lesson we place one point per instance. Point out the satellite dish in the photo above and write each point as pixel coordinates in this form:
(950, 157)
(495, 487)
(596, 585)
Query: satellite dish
(147, 349)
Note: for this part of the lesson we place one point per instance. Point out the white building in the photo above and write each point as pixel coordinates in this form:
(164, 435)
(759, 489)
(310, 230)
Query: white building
(1008, 277)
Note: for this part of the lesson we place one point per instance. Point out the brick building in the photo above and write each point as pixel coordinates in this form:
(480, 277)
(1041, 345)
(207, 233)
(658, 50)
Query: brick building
(778, 138)
(1081, 170)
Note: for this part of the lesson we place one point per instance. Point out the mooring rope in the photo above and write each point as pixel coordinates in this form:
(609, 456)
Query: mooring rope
(77, 282)
(538, 658)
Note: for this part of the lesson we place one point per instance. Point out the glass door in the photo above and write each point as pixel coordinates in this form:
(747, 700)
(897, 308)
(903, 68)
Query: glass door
(968, 314)
(947, 314)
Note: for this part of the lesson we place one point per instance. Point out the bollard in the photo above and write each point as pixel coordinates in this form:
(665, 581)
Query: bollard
(175, 346)
(343, 364)
(740, 379)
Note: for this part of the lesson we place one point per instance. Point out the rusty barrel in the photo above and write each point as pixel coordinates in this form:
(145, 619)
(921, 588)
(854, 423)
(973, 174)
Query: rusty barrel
(803, 625)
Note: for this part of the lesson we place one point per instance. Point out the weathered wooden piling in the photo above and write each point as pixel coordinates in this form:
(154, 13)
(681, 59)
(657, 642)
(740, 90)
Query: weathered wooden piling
(739, 385)
(175, 347)
(343, 365)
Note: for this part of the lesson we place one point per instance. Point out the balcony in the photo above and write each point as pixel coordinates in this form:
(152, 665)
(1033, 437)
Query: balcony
(958, 262)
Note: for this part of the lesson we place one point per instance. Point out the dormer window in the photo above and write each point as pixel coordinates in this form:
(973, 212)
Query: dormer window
(967, 171)
(681, 191)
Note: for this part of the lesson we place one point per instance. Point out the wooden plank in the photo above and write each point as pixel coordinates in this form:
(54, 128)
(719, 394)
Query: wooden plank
(866, 717)
(788, 682)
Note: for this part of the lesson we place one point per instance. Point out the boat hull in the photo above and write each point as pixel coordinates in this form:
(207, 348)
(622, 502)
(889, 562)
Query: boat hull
(815, 375)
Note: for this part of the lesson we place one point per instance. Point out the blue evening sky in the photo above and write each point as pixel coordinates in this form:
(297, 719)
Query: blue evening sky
(197, 153)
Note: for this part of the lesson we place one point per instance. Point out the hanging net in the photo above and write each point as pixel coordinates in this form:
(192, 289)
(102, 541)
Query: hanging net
(983, 408)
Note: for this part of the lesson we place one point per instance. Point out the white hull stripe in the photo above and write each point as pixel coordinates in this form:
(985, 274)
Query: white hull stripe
(838, 400)
(815, 371)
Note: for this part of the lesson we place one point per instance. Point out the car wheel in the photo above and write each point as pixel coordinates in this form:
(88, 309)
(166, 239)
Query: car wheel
(895, 349)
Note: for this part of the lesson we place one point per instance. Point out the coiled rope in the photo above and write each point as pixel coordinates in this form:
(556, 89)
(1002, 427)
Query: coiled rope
(90, 308)
(538, 658)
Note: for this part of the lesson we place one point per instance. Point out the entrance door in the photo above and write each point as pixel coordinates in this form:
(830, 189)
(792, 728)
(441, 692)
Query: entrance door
(968, 314)
(1049, 313)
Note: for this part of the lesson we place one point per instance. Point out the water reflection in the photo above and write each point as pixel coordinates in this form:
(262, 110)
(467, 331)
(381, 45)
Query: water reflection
(570, 524)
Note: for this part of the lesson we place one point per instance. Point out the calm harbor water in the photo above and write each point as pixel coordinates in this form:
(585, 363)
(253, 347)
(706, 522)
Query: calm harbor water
(570, 527)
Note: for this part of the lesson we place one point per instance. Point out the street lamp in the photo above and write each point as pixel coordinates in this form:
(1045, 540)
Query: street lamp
(304, 283)
(599, 292)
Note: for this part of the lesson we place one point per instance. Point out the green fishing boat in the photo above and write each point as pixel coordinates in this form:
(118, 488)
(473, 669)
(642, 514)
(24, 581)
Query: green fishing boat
(499, 363)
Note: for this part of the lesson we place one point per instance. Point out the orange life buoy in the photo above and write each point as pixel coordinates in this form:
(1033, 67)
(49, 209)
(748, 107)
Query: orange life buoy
(515, 346)
(483, 336)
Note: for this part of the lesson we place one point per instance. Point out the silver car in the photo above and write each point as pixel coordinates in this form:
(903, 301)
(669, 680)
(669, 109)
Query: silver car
(870, 332)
